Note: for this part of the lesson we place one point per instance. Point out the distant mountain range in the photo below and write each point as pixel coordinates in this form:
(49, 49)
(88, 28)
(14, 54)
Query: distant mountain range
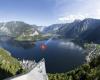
(52, 28)
(87, 29)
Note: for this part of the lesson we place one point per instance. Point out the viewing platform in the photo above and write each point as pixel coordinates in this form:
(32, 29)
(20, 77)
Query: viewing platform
(38, 72)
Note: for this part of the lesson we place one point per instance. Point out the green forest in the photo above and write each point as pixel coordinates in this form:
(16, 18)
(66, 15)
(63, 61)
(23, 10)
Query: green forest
(9, 66)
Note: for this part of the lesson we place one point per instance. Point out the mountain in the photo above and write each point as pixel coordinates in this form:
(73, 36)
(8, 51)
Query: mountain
(39, 28)
(16, 28)
(87, 29)
(52, 28)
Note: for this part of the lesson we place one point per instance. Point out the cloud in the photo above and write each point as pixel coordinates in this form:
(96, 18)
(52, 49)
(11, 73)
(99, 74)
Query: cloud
(69, 10)
(71, 18)
(98, 13)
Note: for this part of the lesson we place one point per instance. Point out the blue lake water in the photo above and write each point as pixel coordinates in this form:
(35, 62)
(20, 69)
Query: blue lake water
(60, 55)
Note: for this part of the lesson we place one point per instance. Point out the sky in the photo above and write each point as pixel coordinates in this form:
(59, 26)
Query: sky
(47, 12)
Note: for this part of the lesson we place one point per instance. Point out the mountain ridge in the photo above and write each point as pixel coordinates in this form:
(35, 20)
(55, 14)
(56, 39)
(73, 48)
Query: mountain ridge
(15, 28)
(82, 30)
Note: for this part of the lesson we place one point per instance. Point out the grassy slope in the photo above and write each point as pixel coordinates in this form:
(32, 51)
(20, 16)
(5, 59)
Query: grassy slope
(9, 66)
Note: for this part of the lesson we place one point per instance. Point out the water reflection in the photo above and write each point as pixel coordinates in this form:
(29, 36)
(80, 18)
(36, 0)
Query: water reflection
(20, 44)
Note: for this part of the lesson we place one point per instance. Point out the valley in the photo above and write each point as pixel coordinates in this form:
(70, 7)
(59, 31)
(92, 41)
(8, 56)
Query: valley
(68, 46)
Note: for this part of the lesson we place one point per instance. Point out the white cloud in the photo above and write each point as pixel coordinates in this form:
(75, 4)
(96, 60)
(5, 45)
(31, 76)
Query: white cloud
(98, 13)
(69, 10)
(71, 18)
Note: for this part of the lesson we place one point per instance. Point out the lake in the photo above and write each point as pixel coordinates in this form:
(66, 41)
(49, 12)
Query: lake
(60, 55)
